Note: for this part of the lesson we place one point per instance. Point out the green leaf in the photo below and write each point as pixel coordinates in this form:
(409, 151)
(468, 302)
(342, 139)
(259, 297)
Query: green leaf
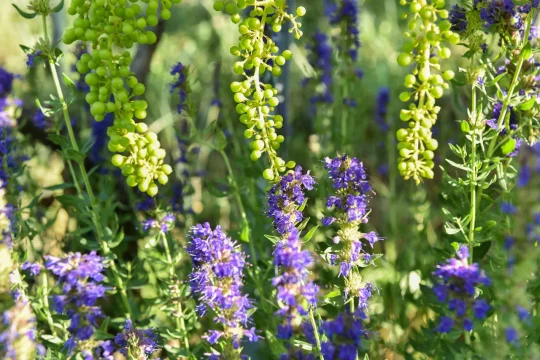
(71, 154)
(309, 234)
(117, 240)
(58, 7)
(481, 251)
(495, 80)
(527, 51)
(459, 166)
(52, 339)
(527, 105)
(276, 346)
(465, 127)
(220, 140)
(61, 140)
(508, 146)
(71, 200)
(60, 186)
(68, 81)
(34, 202)
(303, 224)
(24, 14)
(244, 235)
(332, 294)
(450, 229)
(272, 238)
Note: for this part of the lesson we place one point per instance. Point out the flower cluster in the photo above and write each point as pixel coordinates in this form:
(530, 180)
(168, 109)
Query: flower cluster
(345, 14)
(138, 344)
(345, 334)
(349, 208)
(18, 333)
(180, 86)
(295, 291)
(320, 57)
(381, 111)
(79, 277)
(259, 53)
(427, 36)
(458, 280)
(286, 197)
(164, 225)
(217, 281)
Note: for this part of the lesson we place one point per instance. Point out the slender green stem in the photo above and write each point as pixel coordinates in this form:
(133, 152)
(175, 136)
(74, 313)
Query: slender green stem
(46, 306)
(239, 202)
(180, 323)
(506, 103)
(344, 113)
(315, 332)
(474, 174)
(95, 217)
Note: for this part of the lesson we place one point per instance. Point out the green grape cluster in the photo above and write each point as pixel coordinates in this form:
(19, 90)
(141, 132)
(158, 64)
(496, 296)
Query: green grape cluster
(256, 101)
(120, 24)
(427, 83)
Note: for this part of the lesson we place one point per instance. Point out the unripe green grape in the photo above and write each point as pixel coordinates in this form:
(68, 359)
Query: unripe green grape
(268, 174)
(257, 145)
(152, 20)
(117, 83)
(131, 181)
(152, 190)
(404, 59)
(402, 134)
(91, 79)
(255, 155)
(445, 53)
(132, 81)
(165, 14)
(118, 160)
(163, 179)
(219, 5)
(287, 54)
(404, 96)
(301, 11)
(248, 133)
(448, 75)
(276, 71)
(144, 185)
(432, 144)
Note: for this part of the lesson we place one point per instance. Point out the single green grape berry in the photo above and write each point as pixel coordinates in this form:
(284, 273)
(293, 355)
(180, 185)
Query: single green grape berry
(165, 14)
(152, 37)
(152, 20)
(236, 18)
(453, 38)
(127, 28)
(287, 54)
(141, 23)
(273, 101)
(428, 155)
(231, 8)
(445, 53)
(280, 60)
(436, 92)
(255, 155)
(415, 7)
(301, 11)
(91, 79)
(118, 160)
(448, 75)
(152, 190)
(240, 98)
(117, 83)
(432, 144)
(276, 71)
(257, 145)
(101, 71)
(402, 134)
(268, 174)
(163, 179)
(131, 181)
(404, 96)
(404, 59)
(219, 5)
(248, 133)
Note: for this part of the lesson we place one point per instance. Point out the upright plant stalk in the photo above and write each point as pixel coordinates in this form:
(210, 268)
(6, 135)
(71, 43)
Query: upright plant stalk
(94, 208)
(180, 322)
(506, 104)
(474, 174)
(315, 332)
